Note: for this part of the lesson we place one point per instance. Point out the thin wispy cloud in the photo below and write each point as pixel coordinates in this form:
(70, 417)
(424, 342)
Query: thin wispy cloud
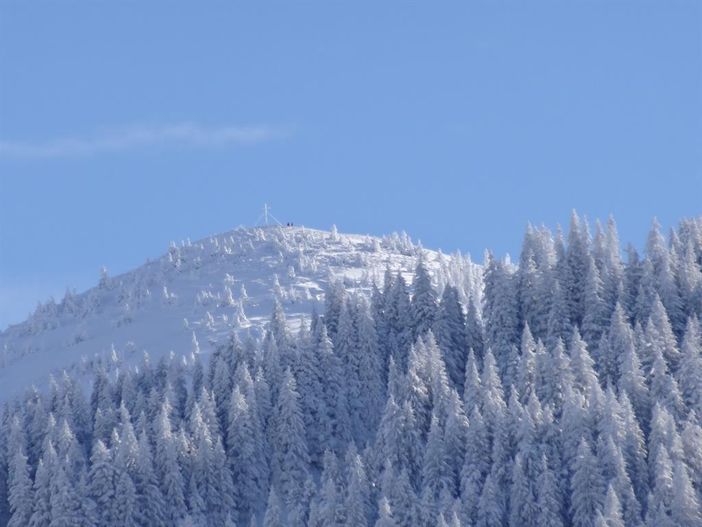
(187, 135)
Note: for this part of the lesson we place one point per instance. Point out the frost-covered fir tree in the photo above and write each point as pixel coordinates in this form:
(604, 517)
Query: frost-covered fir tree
(20, 496)
(450, 332)
(291, 455)
(578, 261)
(500, 310)
(685, 505)
(168, 469)
(690, 370)
(357, 504)
(41, 512)
(523, 501)
(612, 514)
(125, 501)
(102, 483)
(424, 301)
(246, 462)
(588, 487)
(476, 465)
(150, 507)
(549, 499)
(436, 472)
(273, 516)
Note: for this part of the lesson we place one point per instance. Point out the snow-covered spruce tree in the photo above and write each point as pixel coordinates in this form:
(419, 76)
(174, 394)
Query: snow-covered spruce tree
(588, 487)
(371, 375)
(335, 424)
(528, 278)
(168, 470)
(150, 507)
(475, 467)
(523, 504)
(690, 370)
(311, 386)
(556, 378)
(475, 332)
(41, 512)
(685, 505)
(558, 323)
(333, 302)
(20, 496)
(279, 331)
(451, 336)
(125, 501)
(632, 382)
(526, 371)
(436, 472)
(612, 514)
(595, 311)
(491, 509)
(69, 503)
(424, 301)
(471, 384)
(663, 386)
(492, 399)
(356, 348)
(357, 505)
(578, 261)
(500, 310)
(615, 471)
(290, 446)
(244, 455)
(612, 348)
(300, 513)
(663, 268)
(399, 321)
(102, 483)
(549, 499)
(611, 267)
(273, 516)
(456, 430)
(328, 507)
(404, 500)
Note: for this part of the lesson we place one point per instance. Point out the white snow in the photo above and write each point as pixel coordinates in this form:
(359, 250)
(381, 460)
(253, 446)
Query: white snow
(196, 289)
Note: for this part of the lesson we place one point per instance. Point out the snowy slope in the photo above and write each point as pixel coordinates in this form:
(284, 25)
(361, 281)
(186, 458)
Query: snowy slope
(204, 290)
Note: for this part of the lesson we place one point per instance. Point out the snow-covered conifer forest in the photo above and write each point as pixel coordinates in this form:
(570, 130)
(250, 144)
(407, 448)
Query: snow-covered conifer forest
(287, 377)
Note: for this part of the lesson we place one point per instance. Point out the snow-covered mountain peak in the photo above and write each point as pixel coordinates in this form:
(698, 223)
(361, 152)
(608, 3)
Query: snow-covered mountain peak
(198, 292)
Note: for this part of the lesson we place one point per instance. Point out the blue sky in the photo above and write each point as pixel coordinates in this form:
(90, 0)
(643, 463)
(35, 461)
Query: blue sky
(124, 125)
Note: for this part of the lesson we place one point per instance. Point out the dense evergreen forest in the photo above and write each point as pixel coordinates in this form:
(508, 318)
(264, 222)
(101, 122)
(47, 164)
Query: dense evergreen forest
(569, 393)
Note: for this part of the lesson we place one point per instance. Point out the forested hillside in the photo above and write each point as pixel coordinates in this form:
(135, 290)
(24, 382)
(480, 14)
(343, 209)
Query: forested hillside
(567, 392)
(198, 292)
